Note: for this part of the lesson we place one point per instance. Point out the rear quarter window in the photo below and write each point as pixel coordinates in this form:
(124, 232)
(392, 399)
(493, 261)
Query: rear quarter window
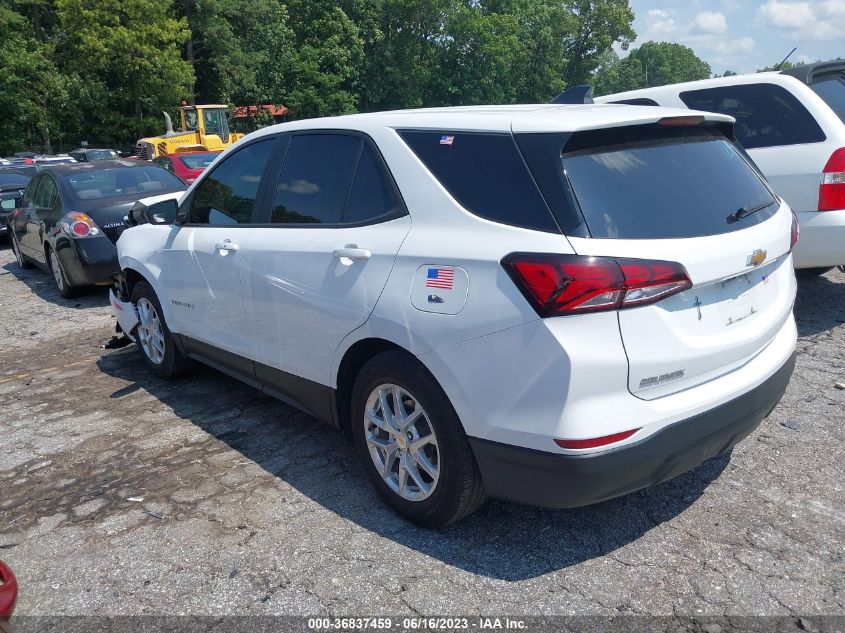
(831, 88)
(485, 174)
(767, 115)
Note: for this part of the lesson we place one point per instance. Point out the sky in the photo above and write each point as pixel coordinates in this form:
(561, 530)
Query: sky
(744, 35)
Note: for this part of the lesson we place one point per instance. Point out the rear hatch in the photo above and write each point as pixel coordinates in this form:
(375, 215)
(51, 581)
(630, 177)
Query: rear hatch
(686, 194)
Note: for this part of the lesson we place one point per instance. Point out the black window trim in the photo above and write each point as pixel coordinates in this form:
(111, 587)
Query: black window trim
(367, 139)
(261, 198)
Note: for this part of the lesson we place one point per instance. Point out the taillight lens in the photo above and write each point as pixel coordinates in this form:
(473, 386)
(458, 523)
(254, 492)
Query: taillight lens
(796, 231)
(595, 442)
(832, 189)
(557, 284)
(79, 225)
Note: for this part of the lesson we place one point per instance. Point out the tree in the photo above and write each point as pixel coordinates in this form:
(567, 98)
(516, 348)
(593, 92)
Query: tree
(652, 64)
(600, 24)
(128, 53)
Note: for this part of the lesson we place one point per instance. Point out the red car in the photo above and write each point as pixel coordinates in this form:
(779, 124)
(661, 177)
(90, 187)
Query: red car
(187, 166)
(8, 594)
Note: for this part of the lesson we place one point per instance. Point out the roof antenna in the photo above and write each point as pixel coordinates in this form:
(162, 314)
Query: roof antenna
(575, 94)
(778, 67)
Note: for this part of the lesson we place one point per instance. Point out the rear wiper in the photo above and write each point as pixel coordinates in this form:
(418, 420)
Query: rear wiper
(744, 212)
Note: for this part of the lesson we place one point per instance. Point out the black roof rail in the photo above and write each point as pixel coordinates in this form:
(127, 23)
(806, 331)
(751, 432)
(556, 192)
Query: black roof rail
(575, 94)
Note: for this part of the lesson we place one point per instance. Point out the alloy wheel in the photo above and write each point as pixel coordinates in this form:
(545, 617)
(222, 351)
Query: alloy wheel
(402, 442)
(56, 268)
(150, 331)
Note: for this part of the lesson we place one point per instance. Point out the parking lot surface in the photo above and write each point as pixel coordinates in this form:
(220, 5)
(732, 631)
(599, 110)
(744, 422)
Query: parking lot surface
(124, 494)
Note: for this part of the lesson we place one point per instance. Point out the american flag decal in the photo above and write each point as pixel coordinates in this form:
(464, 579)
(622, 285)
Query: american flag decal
(447, 139)
(442, 278)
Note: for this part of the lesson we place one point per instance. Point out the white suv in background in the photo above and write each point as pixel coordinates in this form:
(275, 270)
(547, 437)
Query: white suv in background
(792, 124)
(551, 304)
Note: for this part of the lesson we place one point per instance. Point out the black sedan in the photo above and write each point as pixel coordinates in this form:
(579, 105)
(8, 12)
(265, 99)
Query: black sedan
(71, 216)
(12, 185)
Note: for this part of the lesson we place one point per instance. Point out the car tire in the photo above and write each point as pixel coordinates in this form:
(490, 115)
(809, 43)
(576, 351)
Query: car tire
(153, 337)
(62, 285)
(809, 273)
(456, 489)
(23, 260)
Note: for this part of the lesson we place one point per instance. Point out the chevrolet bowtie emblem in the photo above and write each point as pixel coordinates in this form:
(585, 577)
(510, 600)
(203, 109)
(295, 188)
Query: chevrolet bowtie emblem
(756, 258)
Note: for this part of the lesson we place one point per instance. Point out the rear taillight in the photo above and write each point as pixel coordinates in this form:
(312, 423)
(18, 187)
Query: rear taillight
(832, 189)
(557, 284)
(78, 225)
(796, 231)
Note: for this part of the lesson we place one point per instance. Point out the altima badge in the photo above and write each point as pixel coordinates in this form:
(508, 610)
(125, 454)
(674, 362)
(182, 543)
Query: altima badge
(757, 257)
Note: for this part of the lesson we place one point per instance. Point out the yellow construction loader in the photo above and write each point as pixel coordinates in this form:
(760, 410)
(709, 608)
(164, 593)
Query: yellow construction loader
(204, 128)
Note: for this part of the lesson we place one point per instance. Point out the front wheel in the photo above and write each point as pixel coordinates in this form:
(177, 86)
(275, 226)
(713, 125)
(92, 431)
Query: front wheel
(23, 260)
(157, 344)
(411, 440)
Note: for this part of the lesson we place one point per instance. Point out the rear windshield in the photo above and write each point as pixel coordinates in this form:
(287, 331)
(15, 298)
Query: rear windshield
(121, 181)
(663, 184)
(832, 90)
(198, 161)
(101, 154)
(13, 181)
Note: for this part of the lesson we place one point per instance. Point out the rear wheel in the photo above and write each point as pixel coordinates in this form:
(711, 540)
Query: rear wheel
(158, 347)
(65, 289)
(23, 260)
(412, 442)
(809, 273)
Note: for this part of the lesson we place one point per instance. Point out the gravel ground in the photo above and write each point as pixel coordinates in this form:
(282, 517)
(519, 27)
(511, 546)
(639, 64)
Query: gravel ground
(123, 494)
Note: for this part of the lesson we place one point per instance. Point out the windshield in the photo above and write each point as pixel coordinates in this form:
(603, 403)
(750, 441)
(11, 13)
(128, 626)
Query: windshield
(101, 154)
(833, 92)
(122, 181)
(666, 184)
(198, 161)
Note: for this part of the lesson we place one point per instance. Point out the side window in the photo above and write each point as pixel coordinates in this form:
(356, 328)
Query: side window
(31, 189)
(766, 115)
(373, 194)
(485, 174)
(316, 176)
(641, 101)
(46, 195)
(228, 194)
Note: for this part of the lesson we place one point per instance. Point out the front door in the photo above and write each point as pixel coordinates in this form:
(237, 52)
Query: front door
(203, 264)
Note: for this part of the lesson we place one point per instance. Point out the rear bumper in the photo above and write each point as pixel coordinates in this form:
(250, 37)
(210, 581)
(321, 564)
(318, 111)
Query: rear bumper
(88, 261)
(822, 240)
(565, 481)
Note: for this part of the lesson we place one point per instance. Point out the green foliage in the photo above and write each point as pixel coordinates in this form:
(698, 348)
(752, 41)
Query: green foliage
(103, 70)
(652, 64)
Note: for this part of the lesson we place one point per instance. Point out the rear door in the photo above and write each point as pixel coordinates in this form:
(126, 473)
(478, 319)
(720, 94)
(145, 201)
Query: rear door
(318, 265)
(686, 195)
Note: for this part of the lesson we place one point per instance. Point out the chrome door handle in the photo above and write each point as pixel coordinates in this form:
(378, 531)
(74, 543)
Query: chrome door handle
(353, 252)
(226, 245)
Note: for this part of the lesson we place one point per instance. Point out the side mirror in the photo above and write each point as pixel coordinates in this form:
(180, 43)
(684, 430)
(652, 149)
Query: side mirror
(159, 213)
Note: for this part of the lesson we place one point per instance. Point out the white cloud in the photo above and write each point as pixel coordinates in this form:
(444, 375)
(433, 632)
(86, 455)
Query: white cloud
(711, 22)
(814, 20)
(738, 47)
(660, 22)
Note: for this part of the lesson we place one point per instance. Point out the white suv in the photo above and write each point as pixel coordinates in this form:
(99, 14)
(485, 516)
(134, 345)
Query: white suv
(793, 126)
(551, 304)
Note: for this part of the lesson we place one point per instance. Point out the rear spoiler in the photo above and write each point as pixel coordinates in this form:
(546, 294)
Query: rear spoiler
(574, 95)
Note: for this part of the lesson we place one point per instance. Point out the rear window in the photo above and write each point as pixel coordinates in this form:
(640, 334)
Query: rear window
(198, 161)
(766, 115)
(13, 181)
(832, 90)
(121, 181)
(101, 154)
(656, 183)
(485, 174)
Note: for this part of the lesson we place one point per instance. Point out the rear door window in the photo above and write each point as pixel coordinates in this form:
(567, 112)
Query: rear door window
(831, 88)
(373, 195)
(766, 115)
(653, 183)
(314, 184)
(485, 174)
